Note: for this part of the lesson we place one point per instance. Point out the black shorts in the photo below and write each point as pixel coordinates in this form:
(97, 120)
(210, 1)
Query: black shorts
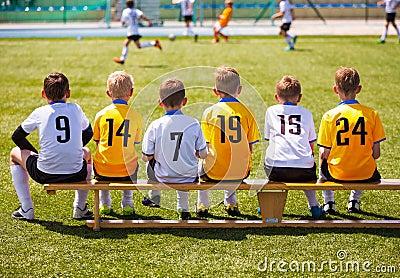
(188, 18)
(132, 177)
(285, 26)
(41, 177)
(134, 37)
(390, 17)
(325, 171)
(291, 174)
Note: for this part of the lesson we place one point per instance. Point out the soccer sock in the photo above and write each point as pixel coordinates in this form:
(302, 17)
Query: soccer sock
(183, 200)
(155, 196)
(229, 197)
(125, 51)
(127, 196)
(80, 198)
(147, 44)
(384, 35)
(329, 196)
(190, 30)
(20, 180)
(289, 41)
(290, 35)
(311, 198)
(203, 197)
(398, 32)
(105, 198)
(356, 195)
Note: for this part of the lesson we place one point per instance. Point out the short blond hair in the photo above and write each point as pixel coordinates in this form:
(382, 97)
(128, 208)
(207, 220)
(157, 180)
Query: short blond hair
(288, 88)
(347, 80)
(120, 84)
(227, 80)
(172, 92)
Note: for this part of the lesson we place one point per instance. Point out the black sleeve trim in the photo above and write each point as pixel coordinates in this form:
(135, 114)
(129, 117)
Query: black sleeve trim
(87, 135)
(19, 138)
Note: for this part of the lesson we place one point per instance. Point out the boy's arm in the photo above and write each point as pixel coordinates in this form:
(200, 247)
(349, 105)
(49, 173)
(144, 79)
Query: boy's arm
(376, 151)
(277, 15)
(19, 138)
(146, 157)
(87, 135)
(202, 154)
(146, 19)
(380, 2)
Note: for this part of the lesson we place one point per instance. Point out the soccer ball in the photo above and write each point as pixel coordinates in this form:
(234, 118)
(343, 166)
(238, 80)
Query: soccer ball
(171, 37)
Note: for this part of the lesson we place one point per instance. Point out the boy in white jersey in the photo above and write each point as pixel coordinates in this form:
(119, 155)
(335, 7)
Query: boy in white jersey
(230, 130)
(187, 13)
(63, 131)
(287, 14)
(349, 138)
(390, 8)
(117, 128)
(130, 17)
(290, 131)
(171, 146)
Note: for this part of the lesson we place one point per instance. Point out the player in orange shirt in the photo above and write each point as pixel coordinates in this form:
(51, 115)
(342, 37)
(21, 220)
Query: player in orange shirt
(224, 19)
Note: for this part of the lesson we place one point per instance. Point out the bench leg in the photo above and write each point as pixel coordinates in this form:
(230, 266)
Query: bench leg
(272, 203)
(96, 211)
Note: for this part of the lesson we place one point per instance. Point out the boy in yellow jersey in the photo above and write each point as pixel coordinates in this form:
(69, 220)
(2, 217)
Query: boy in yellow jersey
(224, 19)
(117, 128)
(349, 137)
(230, 130)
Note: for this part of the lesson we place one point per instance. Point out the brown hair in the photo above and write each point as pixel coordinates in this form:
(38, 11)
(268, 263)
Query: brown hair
(347, 80)
(288, 88)
(172, 92)
(55, 86)
(130, 3)
(227, 80)
(120, 84)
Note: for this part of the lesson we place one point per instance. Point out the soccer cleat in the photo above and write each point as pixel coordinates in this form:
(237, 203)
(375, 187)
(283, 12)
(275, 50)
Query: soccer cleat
(294, 40)
(196, 37)
(380, 41)
(128, 210)
(317, 212)
(158, 44)
(119, 61)
(106, 210)
(23, 215)
(289, 48)
(329, 207)
(353, 206)
(215, 40)
(82, 213)
(149, 203)
(201, 211)
(232, 210)
(184, 215)
(226, 38)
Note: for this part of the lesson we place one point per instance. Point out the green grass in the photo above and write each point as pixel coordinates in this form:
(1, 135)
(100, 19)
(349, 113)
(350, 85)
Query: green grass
(55, 245)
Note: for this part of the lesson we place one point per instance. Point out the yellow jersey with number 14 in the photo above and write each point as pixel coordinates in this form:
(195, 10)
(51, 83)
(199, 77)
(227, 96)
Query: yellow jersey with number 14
(350, 130)
(229, 129)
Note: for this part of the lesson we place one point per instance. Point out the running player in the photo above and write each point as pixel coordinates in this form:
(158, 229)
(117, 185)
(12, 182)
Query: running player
(286, 12)
(390, 8)
(130, 17)
(187, 14)
(223, 21)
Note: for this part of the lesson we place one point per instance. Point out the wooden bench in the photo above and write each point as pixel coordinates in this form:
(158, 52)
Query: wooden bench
(271, 197)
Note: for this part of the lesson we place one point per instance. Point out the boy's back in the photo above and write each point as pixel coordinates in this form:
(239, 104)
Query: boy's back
(229, 127)
(350, 131)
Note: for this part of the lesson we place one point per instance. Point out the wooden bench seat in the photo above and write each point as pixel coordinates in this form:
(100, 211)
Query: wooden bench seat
(271, 196)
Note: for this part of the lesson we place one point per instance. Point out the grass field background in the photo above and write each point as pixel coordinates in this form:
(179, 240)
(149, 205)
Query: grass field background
(55, 245)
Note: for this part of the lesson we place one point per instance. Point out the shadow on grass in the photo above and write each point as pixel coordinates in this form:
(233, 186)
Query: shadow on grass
(153, 66)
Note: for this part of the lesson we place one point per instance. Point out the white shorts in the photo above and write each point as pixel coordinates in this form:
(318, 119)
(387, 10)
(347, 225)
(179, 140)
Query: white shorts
(218, 27)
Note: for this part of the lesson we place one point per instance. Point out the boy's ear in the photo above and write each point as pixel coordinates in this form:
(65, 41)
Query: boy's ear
(299, 98)
(276, 97)
(239, 90)
(43, 94)
(131, 92)
(358, 90)
(335, 90)
(68, 94)
(184, 101)
(108, 94)
(215, 91)
(160, 103)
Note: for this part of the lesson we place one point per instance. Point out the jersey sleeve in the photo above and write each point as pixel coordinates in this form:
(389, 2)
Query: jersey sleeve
(252, 135)
(267, 126)
(205, 126)
(379, 133)
(96, 128)
(200, 142)
(324, 134)
(139, 131)
(149, 141)
(30, 124)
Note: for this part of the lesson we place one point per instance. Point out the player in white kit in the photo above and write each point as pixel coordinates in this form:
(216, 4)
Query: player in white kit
(172, 145)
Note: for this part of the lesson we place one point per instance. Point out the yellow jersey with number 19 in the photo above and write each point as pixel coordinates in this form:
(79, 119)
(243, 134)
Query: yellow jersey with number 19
(350, 130)
(229, 129)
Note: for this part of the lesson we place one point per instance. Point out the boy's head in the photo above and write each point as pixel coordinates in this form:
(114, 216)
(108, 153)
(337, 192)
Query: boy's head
(172, 93)
(120, 85)
(288, 89)
(130, 3)
(347, 81)
(227, 82)
(229, 2)
(55, 86)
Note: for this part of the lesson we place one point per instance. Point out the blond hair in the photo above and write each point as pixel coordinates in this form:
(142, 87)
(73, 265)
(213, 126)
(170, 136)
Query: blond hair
(227, 80)
(172, 92)
(120, 84)
(288, 88)
(347, 80)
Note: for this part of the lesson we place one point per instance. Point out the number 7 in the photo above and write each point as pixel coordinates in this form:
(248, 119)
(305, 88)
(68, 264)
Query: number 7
(173, 135)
